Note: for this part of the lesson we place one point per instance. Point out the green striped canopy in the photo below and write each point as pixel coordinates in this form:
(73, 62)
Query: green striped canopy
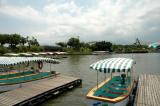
(113, 65)
(8, 61)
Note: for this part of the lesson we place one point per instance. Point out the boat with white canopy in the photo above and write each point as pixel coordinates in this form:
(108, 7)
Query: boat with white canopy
(25, 54)
(19, 71)
(11, 54)
(115, 90)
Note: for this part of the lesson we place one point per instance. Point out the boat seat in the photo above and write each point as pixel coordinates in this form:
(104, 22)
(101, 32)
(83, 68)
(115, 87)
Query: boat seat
(118, 88)
(107, 93)
(110, 97)
(120, 93)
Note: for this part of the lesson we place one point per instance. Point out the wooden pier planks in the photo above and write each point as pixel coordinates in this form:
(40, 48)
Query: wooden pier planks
(148, 93)
(19, 95)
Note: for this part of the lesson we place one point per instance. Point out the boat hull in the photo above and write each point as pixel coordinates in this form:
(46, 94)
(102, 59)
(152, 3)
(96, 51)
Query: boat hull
(121, 103)
(121, 100)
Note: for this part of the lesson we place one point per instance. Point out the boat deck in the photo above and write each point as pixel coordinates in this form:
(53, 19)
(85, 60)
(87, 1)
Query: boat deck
(148, 92)
(38, 92)
(113, 88)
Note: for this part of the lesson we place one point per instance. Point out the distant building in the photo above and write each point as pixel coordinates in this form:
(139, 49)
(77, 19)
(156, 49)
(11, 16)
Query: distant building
(154, 45)
(92, 43)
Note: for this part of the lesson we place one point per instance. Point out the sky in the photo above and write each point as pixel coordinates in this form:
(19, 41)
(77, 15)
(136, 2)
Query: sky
(51, 21)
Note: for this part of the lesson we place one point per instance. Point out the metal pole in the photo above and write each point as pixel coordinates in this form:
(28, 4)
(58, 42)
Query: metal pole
(50, 67)
(19, 72)
(50, 70)
(97, 79)
(8, 72)
(111, 75)
(131, 75)
(127, 77)
(23, 68)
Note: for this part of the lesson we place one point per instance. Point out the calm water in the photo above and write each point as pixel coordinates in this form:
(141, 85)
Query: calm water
(78, 66)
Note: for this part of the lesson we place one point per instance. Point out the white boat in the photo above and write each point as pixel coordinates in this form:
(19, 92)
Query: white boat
(100, 52)
(25, 54)
(115, 90)
(35, 54)
(20, 71)
(11, 54)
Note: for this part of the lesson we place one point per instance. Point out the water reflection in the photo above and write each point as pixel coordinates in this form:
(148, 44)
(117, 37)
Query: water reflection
(78, 66)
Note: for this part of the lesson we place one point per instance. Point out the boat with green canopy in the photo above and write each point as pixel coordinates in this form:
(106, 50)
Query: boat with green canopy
(115, 90)
(20, 71)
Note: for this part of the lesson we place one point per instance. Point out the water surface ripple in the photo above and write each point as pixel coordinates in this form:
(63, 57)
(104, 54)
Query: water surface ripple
(78, 66)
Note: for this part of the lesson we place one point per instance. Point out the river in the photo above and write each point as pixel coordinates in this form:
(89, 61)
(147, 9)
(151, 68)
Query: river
(78, 66)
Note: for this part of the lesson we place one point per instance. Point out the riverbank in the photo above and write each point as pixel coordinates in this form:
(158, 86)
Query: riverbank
(66, 54)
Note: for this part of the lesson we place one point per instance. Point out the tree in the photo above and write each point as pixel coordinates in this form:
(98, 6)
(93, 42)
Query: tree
(83, 44)
(3, 50)
(14, 40)
(23, 40)
(3, 39)
(35, 48)
(74, 43)
(61, 44)
(32, 41)
(102, 46)
(52, 48)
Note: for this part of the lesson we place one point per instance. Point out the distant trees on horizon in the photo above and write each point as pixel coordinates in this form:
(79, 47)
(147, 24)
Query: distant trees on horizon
(18, 43)
(16, 39)
(75, 45)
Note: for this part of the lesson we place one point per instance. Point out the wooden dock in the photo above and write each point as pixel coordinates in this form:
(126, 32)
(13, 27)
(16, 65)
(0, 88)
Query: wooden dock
(148, 92)
(38, 92)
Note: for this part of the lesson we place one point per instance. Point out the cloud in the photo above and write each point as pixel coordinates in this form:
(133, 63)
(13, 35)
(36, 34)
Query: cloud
(27, 13)
(112, 20)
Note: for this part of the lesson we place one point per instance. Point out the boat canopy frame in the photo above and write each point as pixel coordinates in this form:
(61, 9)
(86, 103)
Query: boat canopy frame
(12, 61)
(113, 65)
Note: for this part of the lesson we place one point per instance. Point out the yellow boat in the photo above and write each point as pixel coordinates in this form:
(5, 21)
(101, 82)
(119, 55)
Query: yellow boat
(115, 90)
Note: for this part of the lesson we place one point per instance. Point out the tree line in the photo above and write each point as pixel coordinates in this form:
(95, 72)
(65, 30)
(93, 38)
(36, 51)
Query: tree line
(74, 45)
(18, 43)
(15, 39)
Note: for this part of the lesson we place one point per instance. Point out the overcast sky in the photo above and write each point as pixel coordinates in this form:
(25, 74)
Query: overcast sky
(50, 21)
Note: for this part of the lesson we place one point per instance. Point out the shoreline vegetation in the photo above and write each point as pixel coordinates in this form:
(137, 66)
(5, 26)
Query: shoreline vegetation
(15, 43)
